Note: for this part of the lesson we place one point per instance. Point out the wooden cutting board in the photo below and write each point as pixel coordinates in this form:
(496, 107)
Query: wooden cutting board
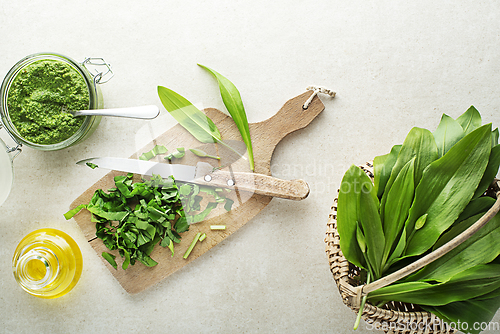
(265, 136)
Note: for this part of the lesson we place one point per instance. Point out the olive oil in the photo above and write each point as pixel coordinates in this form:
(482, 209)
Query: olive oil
(47, 263)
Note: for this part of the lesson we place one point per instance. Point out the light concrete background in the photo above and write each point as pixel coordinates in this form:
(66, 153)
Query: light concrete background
(393, 64)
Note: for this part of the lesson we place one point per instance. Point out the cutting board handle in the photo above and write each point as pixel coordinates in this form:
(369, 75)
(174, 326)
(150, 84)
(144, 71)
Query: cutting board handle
(291, 117)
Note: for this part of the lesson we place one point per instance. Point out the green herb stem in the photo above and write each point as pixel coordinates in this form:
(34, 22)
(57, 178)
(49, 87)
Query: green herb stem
(362, 306)
(193, 243)
(217, 227)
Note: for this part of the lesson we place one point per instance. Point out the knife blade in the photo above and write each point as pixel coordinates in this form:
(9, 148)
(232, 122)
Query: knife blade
(179, 172)
(204, 174)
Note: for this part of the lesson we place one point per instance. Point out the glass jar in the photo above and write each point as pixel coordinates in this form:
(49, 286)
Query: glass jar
(6, 172)
(95, 101)
(47, 263)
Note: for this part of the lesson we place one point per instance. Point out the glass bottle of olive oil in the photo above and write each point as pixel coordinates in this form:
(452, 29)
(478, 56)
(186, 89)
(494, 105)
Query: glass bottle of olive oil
(47, 263)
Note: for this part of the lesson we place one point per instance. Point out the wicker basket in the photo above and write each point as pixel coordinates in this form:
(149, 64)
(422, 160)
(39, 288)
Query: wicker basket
(394, 317)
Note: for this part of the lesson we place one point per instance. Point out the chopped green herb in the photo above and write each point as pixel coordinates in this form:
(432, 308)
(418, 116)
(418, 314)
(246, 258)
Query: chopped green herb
(193, 243)
(91, 165)
(203, 236)
(177, 154)
(158, 217)
(157, 150)
(110, 258)
(134, 217)
(217, 227)
(71, 213)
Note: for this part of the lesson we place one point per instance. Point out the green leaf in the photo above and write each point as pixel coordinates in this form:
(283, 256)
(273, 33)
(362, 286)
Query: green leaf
(179, 153)
(228, 205)
(158, 149)
(494, 137)
(146, 259)
(382, 167)
(167, 242)
(399, 200)
(419, 144)
(481, 248)
(447, 134)
(91, 165)
(446, 188)
(126, 262)
(232, 100)
(490, 172)
(70, 214)
(476, 206)
(185, 189)
(371, 224)
(113, 216)
(190, 117)
(348, 214)
(465, 285)
(192, 219)
(398, 251)
(360, 237)
(141, 224)
(479, 310)
(110, 258)
(470, 120)
(202, 153)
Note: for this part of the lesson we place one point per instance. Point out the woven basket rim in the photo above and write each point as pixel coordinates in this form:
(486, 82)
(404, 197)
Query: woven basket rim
(344, 274)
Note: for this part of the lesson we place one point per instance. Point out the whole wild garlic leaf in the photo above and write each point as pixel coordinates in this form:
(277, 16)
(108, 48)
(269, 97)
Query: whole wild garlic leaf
(490, 173)
(399, 200)
(470, 283)
(232, 100)
(494, 137)
(382, 168)
(470, 120)
(191, 118)
(475, 206)
(481, 248)
(446, 188)
(418, 144)
(476, 310)
(348, 214)
(371, 224)
(447, 134)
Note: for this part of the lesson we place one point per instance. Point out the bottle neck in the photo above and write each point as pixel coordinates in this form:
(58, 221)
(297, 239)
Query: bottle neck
(37, 268)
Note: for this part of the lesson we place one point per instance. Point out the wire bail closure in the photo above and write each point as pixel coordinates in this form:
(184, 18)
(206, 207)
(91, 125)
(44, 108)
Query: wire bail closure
(93, 65)
(17, 148)
(317, 89)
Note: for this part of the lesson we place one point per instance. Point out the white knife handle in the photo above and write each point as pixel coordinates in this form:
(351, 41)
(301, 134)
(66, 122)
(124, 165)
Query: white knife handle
(257, 183)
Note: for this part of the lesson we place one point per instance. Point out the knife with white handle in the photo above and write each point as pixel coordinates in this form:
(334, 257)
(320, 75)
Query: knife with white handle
(204, 174)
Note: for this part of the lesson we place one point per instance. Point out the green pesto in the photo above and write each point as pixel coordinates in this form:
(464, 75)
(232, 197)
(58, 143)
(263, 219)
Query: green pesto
(36, 97)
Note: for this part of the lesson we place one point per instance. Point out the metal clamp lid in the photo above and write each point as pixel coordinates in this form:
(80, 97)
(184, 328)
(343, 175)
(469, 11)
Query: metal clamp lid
(17, 148)
(94, 67)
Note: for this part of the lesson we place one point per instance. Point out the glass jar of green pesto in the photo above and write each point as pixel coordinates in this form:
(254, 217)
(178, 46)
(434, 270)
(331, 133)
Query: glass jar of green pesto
(35, 95)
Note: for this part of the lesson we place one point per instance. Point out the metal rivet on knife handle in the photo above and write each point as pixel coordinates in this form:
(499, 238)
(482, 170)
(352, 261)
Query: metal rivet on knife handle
(230, 182)
(207, 178)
